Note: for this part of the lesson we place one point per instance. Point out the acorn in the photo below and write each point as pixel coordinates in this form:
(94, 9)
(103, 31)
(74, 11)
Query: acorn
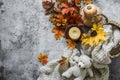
(73, 33)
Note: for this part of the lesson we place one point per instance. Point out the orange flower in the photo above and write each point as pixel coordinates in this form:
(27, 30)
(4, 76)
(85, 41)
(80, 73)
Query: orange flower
(43, 58)
(62, 61)
(58, 33)
(71, 43)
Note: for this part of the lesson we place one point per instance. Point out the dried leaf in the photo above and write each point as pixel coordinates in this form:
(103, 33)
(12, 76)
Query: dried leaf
(43, 58)
(58, 33)
(67, 9)
(75, 19)
(58, 20)
(63, 1)
(77, 1)
(48, 6)
(87, 1)
(71, 43)
(62, 61)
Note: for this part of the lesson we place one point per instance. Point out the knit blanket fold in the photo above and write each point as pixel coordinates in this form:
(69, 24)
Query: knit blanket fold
(99, 54)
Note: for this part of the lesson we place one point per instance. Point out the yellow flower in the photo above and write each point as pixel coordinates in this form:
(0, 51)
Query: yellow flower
(97, 27)
(96, 36)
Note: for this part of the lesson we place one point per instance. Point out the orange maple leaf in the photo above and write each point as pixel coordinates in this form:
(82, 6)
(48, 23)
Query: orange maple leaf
(62, 61)
(48, 6)
(87, 1)
(77, 1)
(75, 19)
(71, 43)
(58, 33)
(67, 9)
(43, 58)
(58, 20)
(63, 1)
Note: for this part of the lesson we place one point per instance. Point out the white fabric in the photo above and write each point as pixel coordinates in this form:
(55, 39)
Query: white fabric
(99, 54)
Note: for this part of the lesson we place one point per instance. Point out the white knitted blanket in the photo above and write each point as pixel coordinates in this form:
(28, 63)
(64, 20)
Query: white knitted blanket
(99, 54)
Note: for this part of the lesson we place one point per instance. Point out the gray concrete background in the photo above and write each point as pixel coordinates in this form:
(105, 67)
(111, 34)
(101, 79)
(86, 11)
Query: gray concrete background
(25, 32)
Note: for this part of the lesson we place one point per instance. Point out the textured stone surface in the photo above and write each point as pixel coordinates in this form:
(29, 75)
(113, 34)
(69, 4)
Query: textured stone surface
(25, 32)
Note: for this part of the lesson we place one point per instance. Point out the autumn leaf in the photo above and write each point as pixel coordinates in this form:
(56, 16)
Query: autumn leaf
(58, 20)
(71, 43)
(63, 1)
(48, 6)
(52, 18)
(67, 9)
(75, 19)
(62, 61)
(58, 33)
(76, 1)
(87, 1)
(43, 58)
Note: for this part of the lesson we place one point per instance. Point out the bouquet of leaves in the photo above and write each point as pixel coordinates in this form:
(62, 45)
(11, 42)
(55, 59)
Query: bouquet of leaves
(65, 15)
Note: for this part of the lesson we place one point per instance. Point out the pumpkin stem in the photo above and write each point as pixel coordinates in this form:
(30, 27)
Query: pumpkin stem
(89, 7)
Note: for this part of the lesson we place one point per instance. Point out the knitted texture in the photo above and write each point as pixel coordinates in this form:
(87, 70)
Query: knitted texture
(99, 54)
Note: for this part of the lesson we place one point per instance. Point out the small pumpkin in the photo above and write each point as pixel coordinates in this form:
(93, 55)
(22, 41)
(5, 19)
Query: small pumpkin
(88, 12)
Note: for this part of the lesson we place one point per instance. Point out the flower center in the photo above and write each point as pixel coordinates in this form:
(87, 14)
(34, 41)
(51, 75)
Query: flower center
(93, 33)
